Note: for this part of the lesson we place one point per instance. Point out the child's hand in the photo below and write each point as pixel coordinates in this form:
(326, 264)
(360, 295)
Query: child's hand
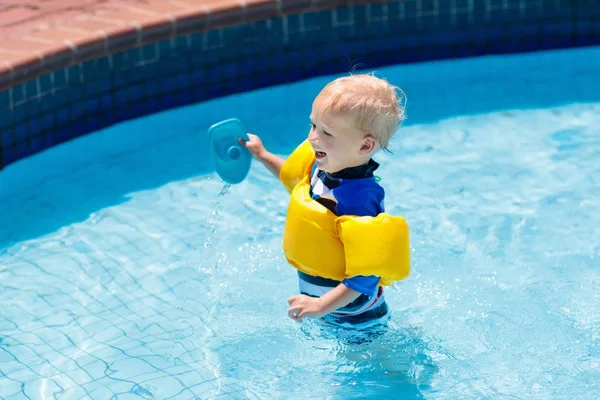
(257, 149)
(254, 146)
(304, 306)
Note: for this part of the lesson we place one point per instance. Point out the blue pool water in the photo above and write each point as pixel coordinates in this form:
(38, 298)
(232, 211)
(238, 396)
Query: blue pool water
(128, 270)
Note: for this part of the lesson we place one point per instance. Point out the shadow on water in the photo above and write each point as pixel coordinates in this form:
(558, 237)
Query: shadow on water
(388, 362)
(65, 184)
(329, 362)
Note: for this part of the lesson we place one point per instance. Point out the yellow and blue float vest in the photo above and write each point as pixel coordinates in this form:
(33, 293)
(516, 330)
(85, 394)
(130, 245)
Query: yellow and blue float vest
(320, 243)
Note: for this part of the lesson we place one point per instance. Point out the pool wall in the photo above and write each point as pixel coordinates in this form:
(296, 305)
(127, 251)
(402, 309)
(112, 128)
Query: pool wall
(83, 82)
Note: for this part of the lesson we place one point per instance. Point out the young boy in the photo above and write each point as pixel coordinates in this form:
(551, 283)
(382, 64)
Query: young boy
(337, 234)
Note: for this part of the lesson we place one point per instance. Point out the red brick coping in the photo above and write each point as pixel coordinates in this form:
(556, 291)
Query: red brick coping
(41, 36)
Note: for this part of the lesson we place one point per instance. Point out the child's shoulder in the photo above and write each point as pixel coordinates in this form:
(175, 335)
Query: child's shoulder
(362, 197)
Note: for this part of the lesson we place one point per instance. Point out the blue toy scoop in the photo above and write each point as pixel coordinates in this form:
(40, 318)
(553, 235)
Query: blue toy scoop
(232, 160)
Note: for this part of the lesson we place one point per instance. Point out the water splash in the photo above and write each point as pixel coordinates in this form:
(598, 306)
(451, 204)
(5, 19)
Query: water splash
(211, 222)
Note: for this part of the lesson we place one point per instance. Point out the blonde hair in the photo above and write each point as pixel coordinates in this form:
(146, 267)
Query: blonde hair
(377, 105)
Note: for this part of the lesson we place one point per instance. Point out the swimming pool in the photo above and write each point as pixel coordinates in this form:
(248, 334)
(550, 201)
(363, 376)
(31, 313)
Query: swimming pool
(128, 269)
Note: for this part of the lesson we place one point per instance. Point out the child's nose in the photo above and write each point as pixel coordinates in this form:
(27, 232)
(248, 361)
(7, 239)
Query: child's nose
(312, 135)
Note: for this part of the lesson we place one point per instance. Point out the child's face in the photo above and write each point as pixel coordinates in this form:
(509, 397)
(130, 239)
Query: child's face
(337, 142)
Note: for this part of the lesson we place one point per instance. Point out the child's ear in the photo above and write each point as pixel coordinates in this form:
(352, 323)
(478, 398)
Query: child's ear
(369, 144)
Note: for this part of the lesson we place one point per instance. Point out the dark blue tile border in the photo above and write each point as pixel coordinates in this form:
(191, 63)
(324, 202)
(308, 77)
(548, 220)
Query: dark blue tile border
(68, 103)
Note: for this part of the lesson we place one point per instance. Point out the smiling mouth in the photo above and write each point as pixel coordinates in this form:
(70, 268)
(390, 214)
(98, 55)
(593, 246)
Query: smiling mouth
(320, 154)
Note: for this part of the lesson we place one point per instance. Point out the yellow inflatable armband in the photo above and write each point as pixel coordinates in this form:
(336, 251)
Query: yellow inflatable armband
(297, 166)
(377, 246)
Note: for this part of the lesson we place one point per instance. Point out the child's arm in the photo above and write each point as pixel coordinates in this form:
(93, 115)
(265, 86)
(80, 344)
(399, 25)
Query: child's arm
(257, 149)
(316, 307)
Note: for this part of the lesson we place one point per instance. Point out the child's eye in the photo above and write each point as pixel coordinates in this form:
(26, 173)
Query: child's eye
(327, 134)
